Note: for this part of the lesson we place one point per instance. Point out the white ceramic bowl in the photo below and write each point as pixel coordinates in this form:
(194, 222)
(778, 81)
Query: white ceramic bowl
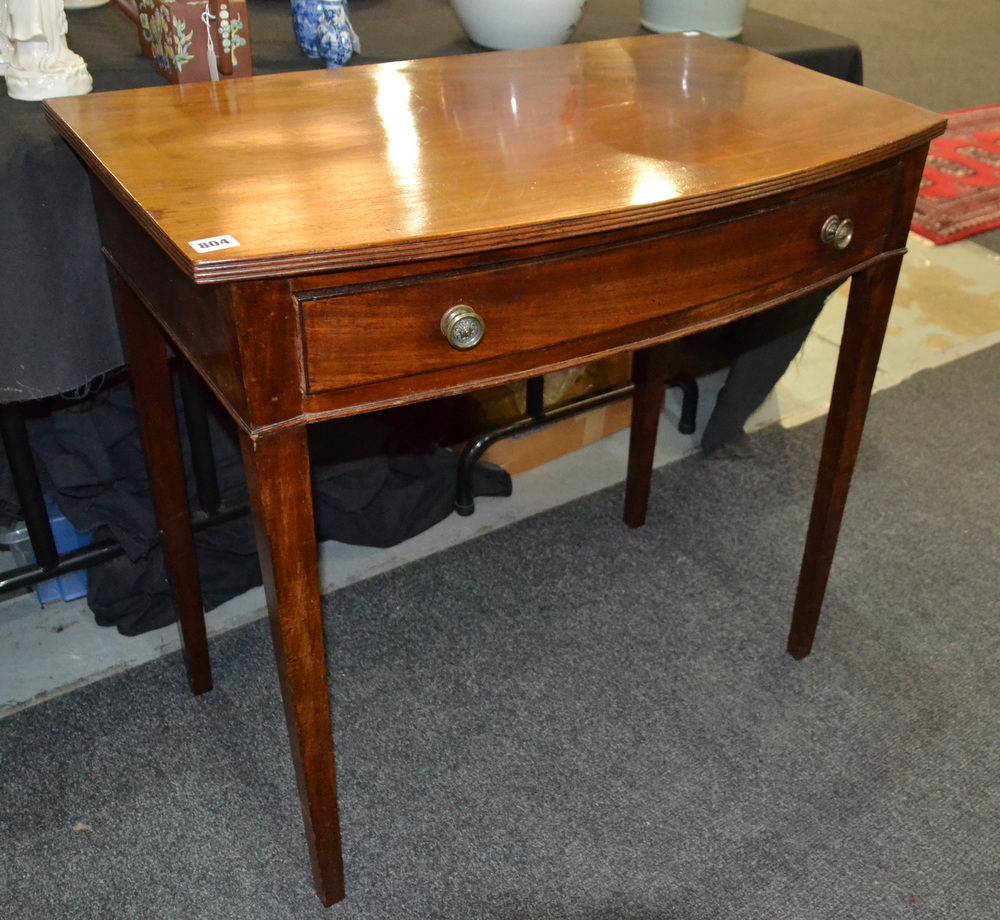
(515, 24)
(722, 18)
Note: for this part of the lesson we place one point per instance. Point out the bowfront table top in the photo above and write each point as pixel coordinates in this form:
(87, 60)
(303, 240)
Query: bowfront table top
(304, 239)
(441, 156)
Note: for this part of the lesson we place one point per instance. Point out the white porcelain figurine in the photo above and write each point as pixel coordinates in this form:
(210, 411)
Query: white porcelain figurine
(34, 56)
(6, 46)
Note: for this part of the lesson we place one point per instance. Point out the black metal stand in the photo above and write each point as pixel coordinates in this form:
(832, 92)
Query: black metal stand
(14, 434)
(48, 562)
(536, 415)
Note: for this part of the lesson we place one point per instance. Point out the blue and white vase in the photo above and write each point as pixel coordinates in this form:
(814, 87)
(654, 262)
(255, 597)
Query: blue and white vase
(323, 30)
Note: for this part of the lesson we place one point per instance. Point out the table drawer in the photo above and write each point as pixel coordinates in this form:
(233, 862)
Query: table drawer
(385, 330)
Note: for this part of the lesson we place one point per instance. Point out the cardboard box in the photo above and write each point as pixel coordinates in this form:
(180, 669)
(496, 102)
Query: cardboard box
(484, 410)
(524, 452)
(176, 37)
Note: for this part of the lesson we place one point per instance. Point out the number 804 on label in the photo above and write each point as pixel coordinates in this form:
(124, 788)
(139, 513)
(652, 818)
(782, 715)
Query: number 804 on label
(213, 243)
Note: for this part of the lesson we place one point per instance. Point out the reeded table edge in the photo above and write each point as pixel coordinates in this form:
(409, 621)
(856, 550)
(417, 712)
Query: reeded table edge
(415, 249)
(230, 266)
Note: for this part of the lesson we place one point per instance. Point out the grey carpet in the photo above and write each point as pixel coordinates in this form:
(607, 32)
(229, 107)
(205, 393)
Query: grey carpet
(565, 720)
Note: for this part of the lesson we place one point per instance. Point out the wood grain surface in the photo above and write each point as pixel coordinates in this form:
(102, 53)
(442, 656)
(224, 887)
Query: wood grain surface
(323, 169)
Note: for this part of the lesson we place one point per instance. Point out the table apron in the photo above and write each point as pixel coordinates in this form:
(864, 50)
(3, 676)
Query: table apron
(588, 299)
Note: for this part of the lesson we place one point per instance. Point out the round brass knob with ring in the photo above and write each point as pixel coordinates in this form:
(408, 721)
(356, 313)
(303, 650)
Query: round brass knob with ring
(837, 233)
(463, 327)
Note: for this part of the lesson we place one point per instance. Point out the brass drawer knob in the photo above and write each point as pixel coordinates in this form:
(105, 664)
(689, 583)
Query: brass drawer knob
(463, 327)
(837, 233)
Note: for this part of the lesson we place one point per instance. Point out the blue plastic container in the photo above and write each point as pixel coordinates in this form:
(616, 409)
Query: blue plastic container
(64, 587)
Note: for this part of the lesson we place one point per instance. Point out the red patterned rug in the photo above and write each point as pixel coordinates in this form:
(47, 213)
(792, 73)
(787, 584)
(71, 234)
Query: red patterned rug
(960, 192)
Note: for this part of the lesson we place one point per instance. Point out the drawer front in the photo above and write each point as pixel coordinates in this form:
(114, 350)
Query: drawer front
(384, 331)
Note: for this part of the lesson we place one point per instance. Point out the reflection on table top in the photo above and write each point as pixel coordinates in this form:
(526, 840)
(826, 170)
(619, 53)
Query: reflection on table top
(350, 165)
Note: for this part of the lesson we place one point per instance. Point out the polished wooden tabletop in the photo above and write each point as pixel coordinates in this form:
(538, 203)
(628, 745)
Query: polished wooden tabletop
(448, 154)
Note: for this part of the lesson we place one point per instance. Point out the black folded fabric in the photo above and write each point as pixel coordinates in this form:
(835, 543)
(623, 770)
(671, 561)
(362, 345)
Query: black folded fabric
(90, 458)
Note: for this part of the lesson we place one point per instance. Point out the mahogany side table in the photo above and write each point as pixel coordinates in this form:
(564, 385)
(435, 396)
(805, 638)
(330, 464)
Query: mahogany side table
(327, 243)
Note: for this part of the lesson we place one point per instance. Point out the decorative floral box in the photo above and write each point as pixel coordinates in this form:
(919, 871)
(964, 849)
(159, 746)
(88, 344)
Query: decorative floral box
(192, 41)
